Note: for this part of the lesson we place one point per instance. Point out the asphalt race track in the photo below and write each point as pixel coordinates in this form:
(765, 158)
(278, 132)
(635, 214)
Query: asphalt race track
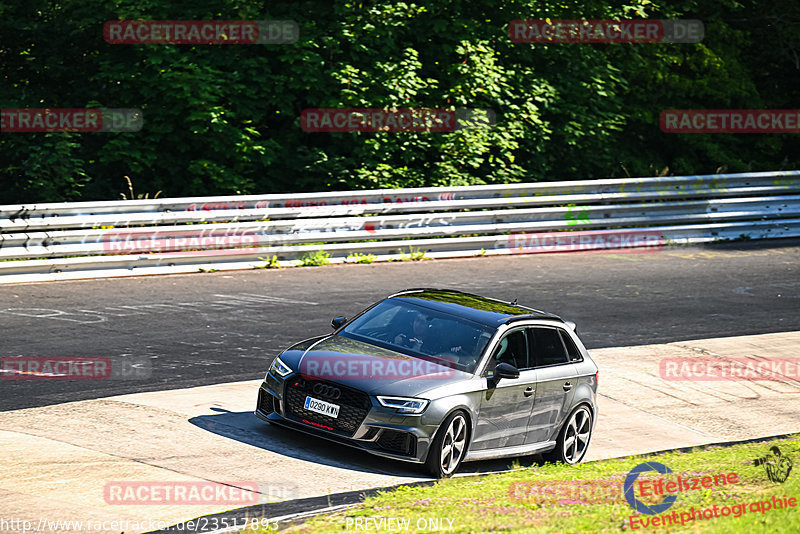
(224, 327)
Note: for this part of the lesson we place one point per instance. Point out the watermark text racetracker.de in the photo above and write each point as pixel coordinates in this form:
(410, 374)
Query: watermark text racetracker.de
(582, 492)
(200, 32)
(46, 525)
(394, 120)
(713, 369)
(605, 31)
(352, 366)
(75, 368)
(179, 241)
(197, 492)
(609, 491)
(730, 121)
(634, 241)
(82, 120)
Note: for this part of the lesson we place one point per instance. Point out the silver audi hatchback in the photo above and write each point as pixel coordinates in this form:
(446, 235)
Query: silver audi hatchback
(437, 377)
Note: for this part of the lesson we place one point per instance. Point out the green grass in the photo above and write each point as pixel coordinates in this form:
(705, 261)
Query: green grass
(485, 504)
(317, 258)
(361, 258)
(271, 263)
(414, 255)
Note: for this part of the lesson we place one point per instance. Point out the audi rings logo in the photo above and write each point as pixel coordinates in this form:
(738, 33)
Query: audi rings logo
(630, 496)
(325, 390)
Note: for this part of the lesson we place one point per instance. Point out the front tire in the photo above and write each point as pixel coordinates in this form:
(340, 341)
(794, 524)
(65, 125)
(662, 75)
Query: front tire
(449, 446)
(573, 440)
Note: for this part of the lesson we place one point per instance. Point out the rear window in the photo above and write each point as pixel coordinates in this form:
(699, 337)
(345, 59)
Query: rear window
(572, 350)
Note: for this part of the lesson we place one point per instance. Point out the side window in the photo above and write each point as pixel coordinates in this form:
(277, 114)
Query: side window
(572, 351)
(512, 349)
(547, 347)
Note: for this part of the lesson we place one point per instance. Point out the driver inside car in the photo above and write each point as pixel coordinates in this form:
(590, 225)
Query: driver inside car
(420, 333)
(422, 337)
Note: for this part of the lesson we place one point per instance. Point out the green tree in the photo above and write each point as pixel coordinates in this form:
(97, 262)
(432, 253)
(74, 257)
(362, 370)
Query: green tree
(225, 119)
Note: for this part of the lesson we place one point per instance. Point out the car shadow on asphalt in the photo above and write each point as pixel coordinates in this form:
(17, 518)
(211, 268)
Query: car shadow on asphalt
(246, 428)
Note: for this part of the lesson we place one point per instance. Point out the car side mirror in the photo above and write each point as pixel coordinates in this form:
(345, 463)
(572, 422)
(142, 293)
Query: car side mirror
(337, 322)
(505, 370)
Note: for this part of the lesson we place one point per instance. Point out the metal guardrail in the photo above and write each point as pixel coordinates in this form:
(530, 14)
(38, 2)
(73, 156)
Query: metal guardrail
(117, 238)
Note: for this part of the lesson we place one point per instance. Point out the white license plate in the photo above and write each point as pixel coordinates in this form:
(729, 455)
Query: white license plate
(319, 406)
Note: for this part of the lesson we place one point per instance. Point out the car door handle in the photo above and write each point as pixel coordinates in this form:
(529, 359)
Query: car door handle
(528, 391)
(567, 386)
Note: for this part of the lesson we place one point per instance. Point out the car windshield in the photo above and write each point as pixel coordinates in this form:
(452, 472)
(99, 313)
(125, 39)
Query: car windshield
(421, 332)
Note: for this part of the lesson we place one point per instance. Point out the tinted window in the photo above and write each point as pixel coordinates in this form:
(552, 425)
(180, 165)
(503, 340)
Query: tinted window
(572, 350)
(513, 349)
(547, 347)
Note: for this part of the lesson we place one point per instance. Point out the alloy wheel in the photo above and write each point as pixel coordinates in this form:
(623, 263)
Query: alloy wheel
(576, 435)
(453, 444)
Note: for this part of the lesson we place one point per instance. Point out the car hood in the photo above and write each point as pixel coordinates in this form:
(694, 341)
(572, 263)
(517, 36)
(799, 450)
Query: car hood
(369, 368)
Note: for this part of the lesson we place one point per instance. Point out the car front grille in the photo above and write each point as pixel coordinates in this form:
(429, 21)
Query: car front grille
(398, 442)
(353, 405)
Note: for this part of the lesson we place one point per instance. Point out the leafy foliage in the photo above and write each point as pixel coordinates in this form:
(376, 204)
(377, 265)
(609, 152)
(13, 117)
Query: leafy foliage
(414, 254)
(224, 119)
(272, 262)
(361, 258)
(315, 259)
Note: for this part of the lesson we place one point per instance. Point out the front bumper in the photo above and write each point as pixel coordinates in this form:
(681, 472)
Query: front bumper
(370, 427)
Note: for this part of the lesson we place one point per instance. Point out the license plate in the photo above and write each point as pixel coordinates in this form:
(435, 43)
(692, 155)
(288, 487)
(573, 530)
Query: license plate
(320, 406)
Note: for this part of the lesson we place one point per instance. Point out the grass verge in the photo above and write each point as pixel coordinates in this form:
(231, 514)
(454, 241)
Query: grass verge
(589, 497)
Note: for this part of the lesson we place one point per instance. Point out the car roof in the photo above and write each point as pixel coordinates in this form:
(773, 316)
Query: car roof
(484, 310)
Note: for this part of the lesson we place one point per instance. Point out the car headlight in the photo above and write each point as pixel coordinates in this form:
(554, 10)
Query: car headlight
(279, 368)
(404, 404)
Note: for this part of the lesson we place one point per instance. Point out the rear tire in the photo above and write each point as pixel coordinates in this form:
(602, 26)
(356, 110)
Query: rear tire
(449, 446)
(573, 440)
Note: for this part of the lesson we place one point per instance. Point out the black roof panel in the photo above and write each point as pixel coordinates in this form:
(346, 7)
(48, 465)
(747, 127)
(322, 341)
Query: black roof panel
(482, 310)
